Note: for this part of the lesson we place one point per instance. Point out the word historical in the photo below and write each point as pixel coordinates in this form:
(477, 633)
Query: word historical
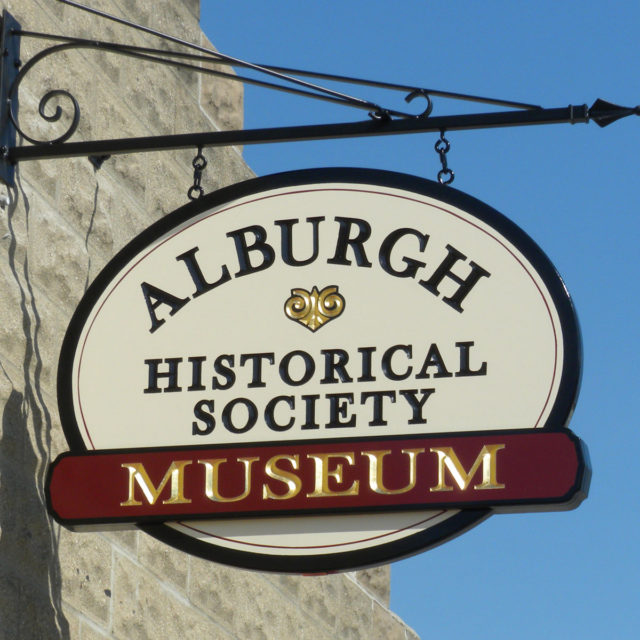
(296, 368)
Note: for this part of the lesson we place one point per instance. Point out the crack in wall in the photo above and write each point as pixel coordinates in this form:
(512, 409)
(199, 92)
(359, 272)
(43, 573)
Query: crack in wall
(89, 229)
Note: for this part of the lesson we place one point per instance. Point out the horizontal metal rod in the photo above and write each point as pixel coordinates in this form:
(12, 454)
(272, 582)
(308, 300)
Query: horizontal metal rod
(571, 114)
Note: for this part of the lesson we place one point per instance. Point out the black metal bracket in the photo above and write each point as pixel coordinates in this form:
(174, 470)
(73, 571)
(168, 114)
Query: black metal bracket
(382, 121)
(9, 66)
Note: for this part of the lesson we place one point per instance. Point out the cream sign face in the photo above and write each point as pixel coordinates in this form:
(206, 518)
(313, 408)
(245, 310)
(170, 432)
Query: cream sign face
(301, 344)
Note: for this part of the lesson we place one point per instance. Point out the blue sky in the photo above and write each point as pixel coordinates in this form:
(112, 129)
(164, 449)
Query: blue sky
(574, 189)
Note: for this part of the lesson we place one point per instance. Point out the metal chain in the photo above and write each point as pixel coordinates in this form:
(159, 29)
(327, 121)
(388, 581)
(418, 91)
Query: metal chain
(442, 146)
(199, 163)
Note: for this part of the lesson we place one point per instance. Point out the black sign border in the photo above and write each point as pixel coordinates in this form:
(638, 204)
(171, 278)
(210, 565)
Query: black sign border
(461, 522)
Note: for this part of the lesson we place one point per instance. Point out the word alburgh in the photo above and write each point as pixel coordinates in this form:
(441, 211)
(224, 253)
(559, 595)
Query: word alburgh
(255, 252)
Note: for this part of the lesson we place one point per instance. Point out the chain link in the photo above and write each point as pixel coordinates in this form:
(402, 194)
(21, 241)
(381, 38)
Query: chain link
(442, 146)
(199, 163)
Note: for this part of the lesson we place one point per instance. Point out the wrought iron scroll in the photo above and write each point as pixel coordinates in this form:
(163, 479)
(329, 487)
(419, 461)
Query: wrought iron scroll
(167, 58)
(44, 101)
(176, 59)
(286, 77)
(192, 57)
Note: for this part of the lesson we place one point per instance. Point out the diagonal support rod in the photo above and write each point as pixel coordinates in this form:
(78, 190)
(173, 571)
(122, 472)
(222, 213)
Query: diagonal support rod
(226, 58)
(286, 74)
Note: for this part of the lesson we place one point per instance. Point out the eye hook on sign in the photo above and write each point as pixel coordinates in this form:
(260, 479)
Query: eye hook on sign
(442, 146)
(199, 163)
(421, 92)
(384, 115)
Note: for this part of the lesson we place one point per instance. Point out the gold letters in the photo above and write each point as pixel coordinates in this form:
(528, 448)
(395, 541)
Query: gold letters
(376, 480)
(487, 457)
(290, 479)
(212, 479)
(334, 474)
(137, 473)
(323, 474)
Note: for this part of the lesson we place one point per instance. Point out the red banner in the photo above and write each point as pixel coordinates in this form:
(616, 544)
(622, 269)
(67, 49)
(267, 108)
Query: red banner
(517, 470)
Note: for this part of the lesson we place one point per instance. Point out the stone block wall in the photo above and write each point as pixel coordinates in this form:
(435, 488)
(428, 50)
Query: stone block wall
(63, 221)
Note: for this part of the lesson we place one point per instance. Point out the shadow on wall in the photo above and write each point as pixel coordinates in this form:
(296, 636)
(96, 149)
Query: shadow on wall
(30, 581)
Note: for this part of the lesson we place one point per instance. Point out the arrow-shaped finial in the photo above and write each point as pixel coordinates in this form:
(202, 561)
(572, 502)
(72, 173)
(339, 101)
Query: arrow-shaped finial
(604, 113)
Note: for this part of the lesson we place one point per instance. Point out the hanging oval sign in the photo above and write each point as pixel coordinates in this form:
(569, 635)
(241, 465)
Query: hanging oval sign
(320, 370)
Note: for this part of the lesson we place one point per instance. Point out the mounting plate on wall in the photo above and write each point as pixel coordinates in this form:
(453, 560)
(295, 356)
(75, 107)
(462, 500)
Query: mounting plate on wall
(9, 67)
